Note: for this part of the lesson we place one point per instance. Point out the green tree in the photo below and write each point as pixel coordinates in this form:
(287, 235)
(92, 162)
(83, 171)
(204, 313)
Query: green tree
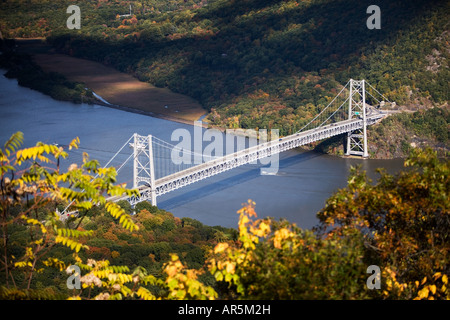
(405, 220)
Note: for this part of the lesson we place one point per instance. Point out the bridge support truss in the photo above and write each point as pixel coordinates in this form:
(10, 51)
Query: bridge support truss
(357, 139)
(143, 166)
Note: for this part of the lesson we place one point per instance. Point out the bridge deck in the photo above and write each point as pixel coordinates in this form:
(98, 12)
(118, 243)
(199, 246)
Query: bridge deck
(233, 160)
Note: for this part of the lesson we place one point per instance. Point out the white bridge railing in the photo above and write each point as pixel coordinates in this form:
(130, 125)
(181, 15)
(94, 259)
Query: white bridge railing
(242, 157)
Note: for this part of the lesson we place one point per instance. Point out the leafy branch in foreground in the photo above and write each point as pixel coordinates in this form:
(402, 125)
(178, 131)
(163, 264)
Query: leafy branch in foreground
(405, 220)
(31, 181)
(399, 223)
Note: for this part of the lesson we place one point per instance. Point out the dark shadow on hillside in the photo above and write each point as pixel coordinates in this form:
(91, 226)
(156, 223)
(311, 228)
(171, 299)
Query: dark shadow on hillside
(334, 31)
(330, 34)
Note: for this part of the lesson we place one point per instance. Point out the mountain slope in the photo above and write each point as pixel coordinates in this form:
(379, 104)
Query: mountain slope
(268, 64)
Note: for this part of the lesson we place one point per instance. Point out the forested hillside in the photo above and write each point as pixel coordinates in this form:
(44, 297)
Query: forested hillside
(257, 64)
(160, 234)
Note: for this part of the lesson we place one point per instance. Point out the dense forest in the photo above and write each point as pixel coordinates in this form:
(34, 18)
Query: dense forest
(257, 64)
(160, 234)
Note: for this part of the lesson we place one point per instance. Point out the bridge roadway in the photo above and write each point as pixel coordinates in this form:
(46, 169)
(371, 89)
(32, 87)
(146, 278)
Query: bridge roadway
(236, 159)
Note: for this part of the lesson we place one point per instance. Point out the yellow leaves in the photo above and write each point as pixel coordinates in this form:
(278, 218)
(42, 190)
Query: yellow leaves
(38, 151)
(221, 247)
(111, 278)
(262, 230)
(183, 284)
(74, 143)
(145, 294)
(248, 209)
(73, 233)
(55, 263)
(22, 264)
(429, 287)
(64, 236)
(79, 187)
(230, 267)
(228, 263)
(280, 236)
(34, 222)
(423, 294)
(27, 260)
(437, 275)
(393, 287)
(115, 277)
(118, 213)
(433, 288)
(12, 144)
(173, 267)
(243, 221)
(26, 154)
(249, 239)
(72, 244)
(432, 291)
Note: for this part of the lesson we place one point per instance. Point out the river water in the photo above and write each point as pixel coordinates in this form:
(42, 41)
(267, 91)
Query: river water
(297, 192)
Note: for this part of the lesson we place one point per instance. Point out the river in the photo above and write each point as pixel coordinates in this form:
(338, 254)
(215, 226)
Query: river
(297, 192)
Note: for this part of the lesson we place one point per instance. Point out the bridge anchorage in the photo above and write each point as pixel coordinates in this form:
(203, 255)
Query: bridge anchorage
(155, 173)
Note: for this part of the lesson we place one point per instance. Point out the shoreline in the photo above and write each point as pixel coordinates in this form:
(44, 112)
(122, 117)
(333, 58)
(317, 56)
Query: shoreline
(148, 113)
(113, 88)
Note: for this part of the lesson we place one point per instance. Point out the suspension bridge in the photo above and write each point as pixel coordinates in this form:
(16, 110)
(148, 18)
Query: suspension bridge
(157, 172)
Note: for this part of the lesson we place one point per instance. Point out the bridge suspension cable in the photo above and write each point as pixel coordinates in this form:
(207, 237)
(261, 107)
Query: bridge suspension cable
(106, 165)
(160, 166)
(321, 113)
(331, 110)
(381, 95)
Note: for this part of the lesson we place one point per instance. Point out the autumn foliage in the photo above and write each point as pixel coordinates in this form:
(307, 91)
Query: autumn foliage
(399, 223)
(404, 220)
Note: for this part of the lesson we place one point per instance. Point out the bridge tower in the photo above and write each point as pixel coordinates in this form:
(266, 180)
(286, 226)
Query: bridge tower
(357, 139)
(143, 167)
